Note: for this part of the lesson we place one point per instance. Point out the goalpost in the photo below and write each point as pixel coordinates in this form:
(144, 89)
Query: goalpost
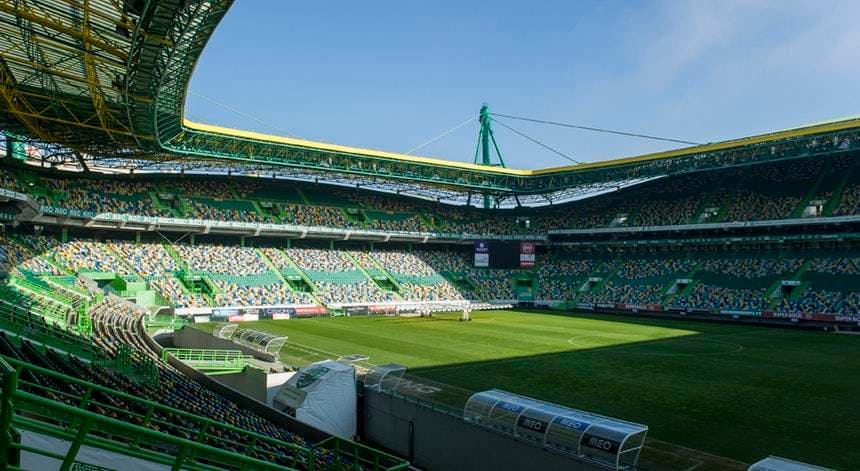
(428, 308)
(467, 312)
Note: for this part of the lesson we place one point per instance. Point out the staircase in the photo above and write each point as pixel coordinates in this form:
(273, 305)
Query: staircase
(707, 200)
(834, 200)
(604, 275)
(372, 280)
(175, 256)
(798, 291)
(426, 220)
(724, 209)
(813, 190)
(686, 292)
(269, 263)
(690, 276)
(158, 204)
(376, 266)
(359, 217)
(295, 266)
(302, 196)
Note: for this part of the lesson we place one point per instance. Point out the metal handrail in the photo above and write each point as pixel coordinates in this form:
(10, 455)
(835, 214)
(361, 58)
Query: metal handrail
(83, 427)
(25, 411)
(209, 359)
(362, 455)
(20, 321)
(251, 439)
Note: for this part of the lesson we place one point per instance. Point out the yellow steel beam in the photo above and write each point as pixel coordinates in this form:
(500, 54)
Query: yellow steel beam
(14, 103)
(20, 10)
(33, 113)
(64, 75)
(92, 75)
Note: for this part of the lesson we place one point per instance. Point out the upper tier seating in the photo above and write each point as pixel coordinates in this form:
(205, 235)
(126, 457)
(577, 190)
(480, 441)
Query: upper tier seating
(760, 192)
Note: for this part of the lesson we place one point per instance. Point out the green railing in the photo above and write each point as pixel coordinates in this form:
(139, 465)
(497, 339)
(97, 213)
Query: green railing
(210, 361)
(20, 321)
(61, 283)
(132, 432)
(166, 322)
(41, 290)
(359, 456)
(23, 410)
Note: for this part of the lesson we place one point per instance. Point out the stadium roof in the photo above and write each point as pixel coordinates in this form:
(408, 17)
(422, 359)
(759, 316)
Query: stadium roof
(104, 82)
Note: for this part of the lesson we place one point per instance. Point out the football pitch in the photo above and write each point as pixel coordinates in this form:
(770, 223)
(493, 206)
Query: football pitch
(740, 392)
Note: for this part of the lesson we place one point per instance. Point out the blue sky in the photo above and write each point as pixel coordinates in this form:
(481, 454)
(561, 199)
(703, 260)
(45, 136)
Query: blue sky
(391, 74)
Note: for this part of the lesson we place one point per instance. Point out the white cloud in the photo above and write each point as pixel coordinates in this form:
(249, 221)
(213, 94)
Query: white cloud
(724, 35)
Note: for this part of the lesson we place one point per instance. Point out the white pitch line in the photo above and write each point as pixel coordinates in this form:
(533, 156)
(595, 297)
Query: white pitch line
(699, 463)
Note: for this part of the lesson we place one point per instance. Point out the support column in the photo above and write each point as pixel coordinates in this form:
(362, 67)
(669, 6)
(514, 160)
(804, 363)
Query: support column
(485, 139)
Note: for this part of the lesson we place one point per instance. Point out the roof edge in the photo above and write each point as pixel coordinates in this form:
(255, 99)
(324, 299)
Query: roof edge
(827, 126)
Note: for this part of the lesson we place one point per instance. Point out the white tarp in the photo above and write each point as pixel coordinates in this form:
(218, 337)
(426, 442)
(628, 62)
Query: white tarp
(323, 395)
(86, 454)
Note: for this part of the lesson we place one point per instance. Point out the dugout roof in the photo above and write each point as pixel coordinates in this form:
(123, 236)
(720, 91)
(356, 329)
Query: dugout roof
(104, 82)
(613, 443)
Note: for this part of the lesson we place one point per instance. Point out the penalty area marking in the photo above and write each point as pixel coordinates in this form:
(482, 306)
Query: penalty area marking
(736, 348)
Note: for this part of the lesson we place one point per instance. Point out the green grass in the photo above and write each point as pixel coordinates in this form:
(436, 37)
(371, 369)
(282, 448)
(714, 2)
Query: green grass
(735, 391)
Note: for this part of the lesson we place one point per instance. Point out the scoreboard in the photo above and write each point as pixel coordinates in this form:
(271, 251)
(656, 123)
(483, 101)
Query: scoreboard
(504, 254)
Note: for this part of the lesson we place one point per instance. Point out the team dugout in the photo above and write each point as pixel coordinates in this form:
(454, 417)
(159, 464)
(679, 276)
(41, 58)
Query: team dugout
(610, 442)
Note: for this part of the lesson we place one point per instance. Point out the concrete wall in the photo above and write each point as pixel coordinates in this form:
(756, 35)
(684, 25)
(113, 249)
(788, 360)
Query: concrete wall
(251, 382)
(260, 408)
(438, 441)
(189, 337)
(255, 383)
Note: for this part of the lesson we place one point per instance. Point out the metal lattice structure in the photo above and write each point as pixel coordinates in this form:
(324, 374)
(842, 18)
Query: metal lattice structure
(102, 84)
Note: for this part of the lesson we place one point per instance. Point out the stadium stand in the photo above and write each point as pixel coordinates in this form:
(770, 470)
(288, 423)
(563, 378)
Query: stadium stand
(417, 279)
(760, 193)
(100, 166)
(246, 276)
(239, 275)
(334, 275)
(849, 200)
(830, 286)
(111, 375)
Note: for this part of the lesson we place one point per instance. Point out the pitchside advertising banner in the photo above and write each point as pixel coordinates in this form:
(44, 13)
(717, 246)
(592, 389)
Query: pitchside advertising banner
(792, 316)
(249, 314)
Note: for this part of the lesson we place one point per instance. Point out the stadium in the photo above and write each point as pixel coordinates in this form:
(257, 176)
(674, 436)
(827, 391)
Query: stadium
(180, 295)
